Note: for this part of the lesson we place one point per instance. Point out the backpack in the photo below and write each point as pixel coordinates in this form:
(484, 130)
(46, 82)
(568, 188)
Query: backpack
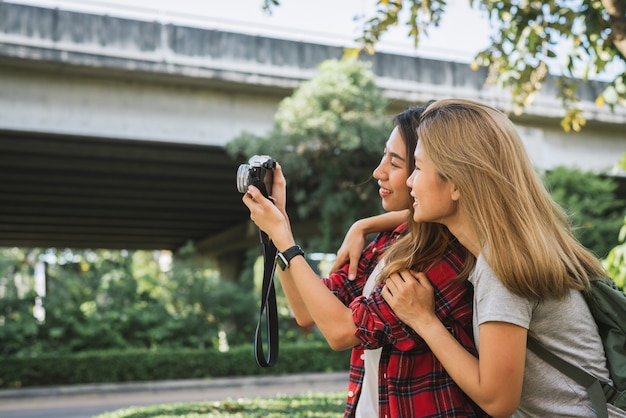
(607, 304)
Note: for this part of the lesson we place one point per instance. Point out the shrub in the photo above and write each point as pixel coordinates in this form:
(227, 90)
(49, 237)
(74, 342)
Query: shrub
(148, 365)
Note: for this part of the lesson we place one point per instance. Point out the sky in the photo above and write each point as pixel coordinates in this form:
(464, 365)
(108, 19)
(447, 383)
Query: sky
(463, 31)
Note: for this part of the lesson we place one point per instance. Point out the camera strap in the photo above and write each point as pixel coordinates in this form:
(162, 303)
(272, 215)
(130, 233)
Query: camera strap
(268, 306)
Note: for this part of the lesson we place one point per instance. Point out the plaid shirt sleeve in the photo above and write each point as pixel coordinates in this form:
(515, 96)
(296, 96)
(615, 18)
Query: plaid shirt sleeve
(377, 325)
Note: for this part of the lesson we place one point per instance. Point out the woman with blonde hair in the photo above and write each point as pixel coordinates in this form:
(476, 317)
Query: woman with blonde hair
(473, 176)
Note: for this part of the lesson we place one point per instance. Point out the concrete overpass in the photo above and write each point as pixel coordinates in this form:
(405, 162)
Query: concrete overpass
(111, 129)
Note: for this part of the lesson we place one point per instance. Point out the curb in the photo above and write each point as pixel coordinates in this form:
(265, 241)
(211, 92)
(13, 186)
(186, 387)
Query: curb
(167, 385)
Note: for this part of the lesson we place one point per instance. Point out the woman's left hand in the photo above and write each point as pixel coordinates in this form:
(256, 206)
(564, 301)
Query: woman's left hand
(411, 296)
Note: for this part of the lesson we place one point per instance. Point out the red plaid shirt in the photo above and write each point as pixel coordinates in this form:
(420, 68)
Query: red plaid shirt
(411, 381)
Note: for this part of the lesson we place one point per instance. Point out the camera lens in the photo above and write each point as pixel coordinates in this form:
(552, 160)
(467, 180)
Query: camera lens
(243, 179)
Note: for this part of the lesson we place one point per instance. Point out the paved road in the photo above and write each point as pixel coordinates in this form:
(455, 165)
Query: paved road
(87, 401)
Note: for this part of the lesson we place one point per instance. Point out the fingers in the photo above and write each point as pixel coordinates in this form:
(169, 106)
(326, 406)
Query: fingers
(354, 265)
(255, 201)
(247, 199)
(355, 257)
(422, 279)
(279, 192)
(255, 195)
(352, 258)
(252, 192)
(340, 260)
(403, 280)
(387, 294)
(279, 177)
(391, 285)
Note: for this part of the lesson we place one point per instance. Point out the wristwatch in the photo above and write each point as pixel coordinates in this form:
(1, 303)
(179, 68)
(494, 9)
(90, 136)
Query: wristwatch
(283, 258)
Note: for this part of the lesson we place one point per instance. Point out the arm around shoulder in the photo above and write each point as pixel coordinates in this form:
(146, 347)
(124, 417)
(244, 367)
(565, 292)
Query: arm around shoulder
(354, 241)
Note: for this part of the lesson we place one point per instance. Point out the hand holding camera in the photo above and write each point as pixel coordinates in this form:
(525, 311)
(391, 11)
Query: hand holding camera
(266, 175)
(259, 172)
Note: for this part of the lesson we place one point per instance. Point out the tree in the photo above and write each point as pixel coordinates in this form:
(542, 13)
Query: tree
(525, 38)
(615, 262)
(591, 203)
(18, 326)
(328, 136)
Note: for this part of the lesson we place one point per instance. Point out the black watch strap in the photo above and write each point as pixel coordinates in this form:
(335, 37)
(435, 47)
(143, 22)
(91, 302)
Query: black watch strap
(283, 258)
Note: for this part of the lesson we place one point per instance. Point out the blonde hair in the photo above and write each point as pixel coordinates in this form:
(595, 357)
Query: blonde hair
(421, 248)
(527, 236)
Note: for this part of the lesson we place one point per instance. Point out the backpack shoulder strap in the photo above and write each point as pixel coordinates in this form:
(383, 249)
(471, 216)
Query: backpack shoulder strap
(590, 383)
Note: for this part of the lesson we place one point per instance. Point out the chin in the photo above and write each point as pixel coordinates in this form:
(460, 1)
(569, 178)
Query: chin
(392, 208)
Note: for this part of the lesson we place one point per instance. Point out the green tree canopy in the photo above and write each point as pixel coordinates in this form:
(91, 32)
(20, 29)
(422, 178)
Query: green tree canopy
(328, 137)
(590, 200)
(615, 262)
(525, 38)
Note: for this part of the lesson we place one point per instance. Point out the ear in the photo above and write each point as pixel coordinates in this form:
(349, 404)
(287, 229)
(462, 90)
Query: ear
(455, 193)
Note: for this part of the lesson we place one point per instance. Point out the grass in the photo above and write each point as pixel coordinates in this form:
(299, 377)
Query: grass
(310, 405)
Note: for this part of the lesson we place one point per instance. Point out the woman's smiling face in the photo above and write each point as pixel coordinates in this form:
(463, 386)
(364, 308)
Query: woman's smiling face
(392, 174)
(434, 198)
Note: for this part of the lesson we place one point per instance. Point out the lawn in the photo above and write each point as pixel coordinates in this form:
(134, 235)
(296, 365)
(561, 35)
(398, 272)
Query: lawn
(309, 405)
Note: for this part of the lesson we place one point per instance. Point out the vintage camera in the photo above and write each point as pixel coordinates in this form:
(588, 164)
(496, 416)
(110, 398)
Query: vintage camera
(259, 172)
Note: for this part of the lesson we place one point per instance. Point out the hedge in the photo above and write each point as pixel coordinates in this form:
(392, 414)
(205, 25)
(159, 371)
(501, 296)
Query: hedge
(150, 365)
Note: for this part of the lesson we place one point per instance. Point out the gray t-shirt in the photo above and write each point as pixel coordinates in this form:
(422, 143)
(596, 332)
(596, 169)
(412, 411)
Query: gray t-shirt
(564, 327)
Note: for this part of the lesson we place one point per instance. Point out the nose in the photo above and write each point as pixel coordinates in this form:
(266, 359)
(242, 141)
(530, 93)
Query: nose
(379, 171)
(409, 181)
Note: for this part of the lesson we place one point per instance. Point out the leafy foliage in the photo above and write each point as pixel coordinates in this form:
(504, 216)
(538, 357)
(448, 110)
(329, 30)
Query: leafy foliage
(140, 364)
(328, 137)
(18, 326)
(615, 262)
(207, 305)
(99, 300)
(591, 203)
(527, 35)
(118, 300)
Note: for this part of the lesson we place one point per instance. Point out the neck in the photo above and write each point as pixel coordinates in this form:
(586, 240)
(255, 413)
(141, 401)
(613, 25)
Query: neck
(463, 232)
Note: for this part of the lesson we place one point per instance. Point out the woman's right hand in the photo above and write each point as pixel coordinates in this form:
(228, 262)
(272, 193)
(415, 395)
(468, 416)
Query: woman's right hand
(411, 296)
(269, 215)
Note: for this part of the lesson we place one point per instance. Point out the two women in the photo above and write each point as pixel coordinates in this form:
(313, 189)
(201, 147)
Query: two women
(393, 372)
(473, 176)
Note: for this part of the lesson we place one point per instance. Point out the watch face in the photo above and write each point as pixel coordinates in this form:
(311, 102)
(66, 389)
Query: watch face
(280, 260)
(283, 259)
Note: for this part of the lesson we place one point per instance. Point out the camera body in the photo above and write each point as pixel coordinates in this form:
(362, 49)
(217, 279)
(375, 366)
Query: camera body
(258, 172)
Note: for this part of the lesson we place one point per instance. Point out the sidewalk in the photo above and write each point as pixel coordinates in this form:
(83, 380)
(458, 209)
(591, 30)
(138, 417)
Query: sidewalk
(85, 401)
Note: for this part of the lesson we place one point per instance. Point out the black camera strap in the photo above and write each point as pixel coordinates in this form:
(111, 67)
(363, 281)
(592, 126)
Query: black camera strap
(268, 305)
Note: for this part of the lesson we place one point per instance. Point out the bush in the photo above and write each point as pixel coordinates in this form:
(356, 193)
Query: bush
(145, 365)
(591, 202)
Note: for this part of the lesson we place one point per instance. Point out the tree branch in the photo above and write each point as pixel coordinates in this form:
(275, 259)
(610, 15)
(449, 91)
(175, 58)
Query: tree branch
(617, 21)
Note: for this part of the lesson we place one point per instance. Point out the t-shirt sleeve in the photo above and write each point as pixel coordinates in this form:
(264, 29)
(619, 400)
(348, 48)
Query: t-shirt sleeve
(494, 302)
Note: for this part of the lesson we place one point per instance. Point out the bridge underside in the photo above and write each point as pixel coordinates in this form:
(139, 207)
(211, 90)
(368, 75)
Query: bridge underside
(84, 192)
(172, 88)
